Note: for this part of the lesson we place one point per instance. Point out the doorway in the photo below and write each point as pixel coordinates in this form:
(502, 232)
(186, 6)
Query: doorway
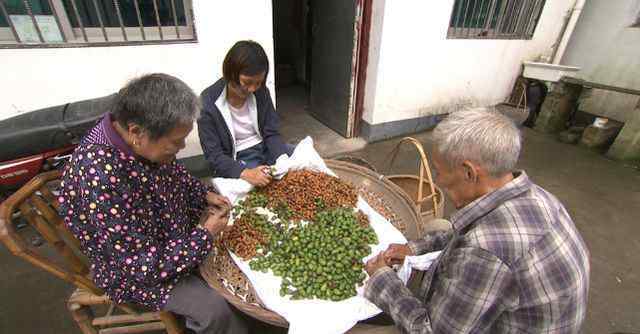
(320, 49)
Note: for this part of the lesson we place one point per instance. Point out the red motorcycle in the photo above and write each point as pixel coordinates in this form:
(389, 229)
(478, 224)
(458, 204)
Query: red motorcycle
(15, 173)
(43, 140)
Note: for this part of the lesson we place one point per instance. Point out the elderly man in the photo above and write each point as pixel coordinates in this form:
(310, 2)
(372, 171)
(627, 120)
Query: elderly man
(514, 261)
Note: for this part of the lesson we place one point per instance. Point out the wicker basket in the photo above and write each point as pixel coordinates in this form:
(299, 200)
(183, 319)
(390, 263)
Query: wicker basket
(428, 198)
(225, 277)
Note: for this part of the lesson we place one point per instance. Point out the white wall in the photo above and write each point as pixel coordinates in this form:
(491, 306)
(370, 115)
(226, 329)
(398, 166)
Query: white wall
(420, 72)
(38, 78)
(608, 51)
(375, 41)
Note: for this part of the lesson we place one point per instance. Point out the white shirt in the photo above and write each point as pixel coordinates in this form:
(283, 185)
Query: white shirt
(244, 131)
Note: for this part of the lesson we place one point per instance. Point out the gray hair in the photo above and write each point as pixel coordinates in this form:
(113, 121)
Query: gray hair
(157, 103)
(481, 135)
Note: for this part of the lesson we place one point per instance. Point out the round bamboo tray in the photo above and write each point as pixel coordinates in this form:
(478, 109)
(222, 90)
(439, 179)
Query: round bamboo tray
(355, 160)
(224, 276)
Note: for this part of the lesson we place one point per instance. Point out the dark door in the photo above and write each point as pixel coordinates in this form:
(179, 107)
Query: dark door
(333, 68)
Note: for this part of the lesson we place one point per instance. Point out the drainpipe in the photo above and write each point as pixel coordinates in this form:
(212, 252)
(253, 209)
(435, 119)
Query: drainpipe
(567, 31)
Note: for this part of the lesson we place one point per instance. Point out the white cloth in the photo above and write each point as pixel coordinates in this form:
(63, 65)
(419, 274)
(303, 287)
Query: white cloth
(419, 262)
(243, 129)
(311, 316)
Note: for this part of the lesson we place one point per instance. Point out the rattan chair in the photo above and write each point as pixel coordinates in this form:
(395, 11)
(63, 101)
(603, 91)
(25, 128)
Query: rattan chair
(36, 203)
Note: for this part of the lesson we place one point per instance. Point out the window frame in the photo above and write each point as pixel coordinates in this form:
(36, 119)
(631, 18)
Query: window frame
(73, 37)
(496, 24)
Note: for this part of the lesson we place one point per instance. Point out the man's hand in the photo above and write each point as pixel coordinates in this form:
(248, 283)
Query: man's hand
(259, 176)
(374, 264)
(219, 201)
(216, 220)
(396, 253)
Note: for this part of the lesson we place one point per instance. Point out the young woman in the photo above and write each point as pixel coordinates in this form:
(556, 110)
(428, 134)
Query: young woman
(238, 127)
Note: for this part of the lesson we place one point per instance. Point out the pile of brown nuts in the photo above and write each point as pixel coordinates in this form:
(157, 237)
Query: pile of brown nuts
(363, 220)
(307, 192)
(243, 239)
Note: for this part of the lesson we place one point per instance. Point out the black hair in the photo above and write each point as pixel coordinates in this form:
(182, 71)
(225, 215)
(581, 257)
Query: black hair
(247, 58)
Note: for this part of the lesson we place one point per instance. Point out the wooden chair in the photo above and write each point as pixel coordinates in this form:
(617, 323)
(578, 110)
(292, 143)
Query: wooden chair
(36, 203)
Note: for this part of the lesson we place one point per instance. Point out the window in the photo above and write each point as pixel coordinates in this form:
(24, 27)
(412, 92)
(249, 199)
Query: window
(64, 23)
(495, 19)
(14, 9)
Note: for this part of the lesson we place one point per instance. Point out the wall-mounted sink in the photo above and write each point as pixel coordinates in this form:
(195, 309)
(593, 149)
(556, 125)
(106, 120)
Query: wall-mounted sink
(548, 72)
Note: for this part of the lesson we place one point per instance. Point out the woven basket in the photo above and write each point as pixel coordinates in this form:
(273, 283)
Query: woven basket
(428, 198)
(224, 276)
(410, 185)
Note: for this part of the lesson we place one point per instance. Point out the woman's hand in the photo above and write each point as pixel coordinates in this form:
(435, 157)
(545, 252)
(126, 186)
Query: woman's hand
(259, 176)
(216, 220)
(375, 263)
(218, 201)
(396, 253)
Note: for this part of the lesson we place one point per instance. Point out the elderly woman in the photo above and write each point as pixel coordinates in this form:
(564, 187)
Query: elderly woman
(139, 214)
(239, 126)
(514, 261)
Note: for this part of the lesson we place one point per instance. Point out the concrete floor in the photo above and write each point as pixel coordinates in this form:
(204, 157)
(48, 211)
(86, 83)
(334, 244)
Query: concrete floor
(602, 196)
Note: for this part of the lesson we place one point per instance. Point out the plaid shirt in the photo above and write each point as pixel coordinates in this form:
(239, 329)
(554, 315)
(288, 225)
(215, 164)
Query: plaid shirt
(513, 263)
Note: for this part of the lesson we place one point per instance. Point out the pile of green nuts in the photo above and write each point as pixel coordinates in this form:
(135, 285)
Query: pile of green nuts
(321, 259)
(304, 229)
